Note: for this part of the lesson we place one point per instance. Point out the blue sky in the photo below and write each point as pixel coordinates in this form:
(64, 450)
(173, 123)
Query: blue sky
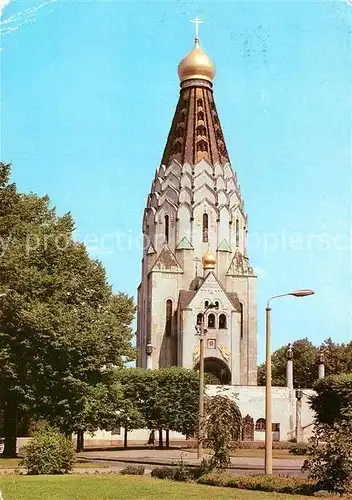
(88, 91)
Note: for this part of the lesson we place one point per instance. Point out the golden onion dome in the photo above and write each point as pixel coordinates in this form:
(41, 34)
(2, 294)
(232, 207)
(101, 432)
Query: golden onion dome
(208, 260)
(196, 64)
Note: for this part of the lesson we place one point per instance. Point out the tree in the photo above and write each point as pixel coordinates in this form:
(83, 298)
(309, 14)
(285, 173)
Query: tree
(221, 428)
(59, 320)
(330, 456)
(337, 357)
(332, 401)
(164, 399)
(304, 363)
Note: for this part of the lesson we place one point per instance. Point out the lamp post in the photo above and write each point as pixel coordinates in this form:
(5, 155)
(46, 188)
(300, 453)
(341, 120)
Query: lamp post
(201, 331)
(268, 419)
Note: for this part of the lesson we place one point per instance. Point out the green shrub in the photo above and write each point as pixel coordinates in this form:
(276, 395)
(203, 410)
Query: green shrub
(330, 458)
(299, 449)
(175, 473)
(163, 472)
(49, 452)
(206, 466)
(277, 484)
(133, 470)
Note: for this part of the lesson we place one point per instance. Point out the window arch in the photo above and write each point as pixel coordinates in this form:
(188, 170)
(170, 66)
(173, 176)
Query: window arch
(202, 145)
(205, 227)
(177, 147)
(201, 130)
(211, 320)
(200, 102)
(168, 314)
(200, 115)
(206, 303)
(216, 303)
(237, 233)
(222, 321)
(260, 425)
(166, 228)
(199, 318)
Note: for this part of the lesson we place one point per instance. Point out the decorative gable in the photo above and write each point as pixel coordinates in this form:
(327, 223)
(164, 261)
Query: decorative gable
(185, 244)
(166, 262)
(240, 266)
(223, 247)
(212, 290)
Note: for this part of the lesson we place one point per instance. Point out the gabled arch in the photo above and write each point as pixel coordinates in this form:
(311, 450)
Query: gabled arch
(220, 183)
(186, 181)
(157, 184)
(204, 203)
(174, 167)
(204, 192)
(187, 169)
(154, 200)
(223, 198)
(171, 194)
(161, 171)
(203, 178)
(219, 170)
(202, 166)
(166, 208)
(171, 180)
(185, 195)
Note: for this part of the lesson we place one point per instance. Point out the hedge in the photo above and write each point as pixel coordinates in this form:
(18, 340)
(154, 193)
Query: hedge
(277, 484)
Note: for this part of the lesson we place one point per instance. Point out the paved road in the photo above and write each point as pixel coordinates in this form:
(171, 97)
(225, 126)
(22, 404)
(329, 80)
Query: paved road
(150, 458)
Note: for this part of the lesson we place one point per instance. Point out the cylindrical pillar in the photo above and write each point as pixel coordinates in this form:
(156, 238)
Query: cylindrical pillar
(268, 423)
(289, 367)
(201, 388)
(321, 366)
(149, 351)
(299, 395)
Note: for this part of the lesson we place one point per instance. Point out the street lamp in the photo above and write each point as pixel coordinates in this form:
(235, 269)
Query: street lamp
(201, 331)
(268, 422)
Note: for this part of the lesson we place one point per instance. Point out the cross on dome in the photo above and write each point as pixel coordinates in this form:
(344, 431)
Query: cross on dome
(197, 22)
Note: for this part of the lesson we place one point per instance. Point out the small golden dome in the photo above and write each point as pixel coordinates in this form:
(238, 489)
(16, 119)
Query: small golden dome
(196, 64)
(208, 260)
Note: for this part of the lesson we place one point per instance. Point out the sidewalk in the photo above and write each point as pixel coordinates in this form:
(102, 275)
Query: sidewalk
(172, 457)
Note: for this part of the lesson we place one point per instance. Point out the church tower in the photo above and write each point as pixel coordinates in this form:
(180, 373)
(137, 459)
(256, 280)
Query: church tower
(195, 245)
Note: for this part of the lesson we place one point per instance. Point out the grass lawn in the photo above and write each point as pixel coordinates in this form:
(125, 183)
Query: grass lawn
(111, 487)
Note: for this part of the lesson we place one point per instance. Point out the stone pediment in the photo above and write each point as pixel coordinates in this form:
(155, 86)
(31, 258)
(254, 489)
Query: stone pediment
(185, 244)
(240, 266)
(223, 247)
(211, 289)
(166, 262)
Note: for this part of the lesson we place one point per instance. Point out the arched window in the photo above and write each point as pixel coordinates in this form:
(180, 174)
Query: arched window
(199, 318)
(205, 227)
(200, 102)
(222, 321)
(237, 233)
(168, 322)
(177, 147)
(211, 321)
(206, 303)
(202, 146)
(166, 228)
(260, 425)
(201, 130)
(241, 320)
(200, 115)
(216, 303)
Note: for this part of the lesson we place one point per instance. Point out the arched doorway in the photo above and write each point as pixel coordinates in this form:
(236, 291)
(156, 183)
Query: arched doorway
(217, 370)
